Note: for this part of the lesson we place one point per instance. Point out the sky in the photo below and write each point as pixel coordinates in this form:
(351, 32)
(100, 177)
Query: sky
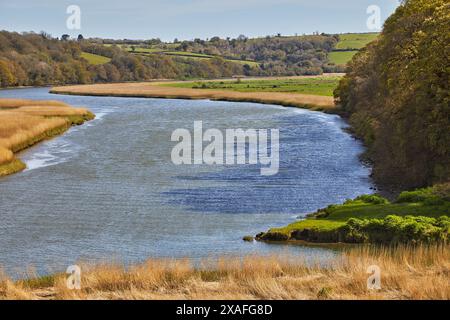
(189, 19)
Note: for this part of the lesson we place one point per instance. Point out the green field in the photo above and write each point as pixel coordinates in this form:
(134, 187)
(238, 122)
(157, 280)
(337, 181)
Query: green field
(183, 54)
(355, 41)
(95, 59)
(322, 86)
(341, 57)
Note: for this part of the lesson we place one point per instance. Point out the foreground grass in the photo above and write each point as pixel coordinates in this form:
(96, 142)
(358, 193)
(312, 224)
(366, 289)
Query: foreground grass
(322, 86)
(406, 273)
(24, 123)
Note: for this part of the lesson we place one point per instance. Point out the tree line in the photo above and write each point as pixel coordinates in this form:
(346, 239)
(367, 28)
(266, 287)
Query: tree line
(397, 95)
(31, 59)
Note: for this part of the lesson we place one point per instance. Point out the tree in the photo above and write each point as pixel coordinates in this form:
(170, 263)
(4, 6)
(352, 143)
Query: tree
(80, 37)
(242, 38)
(6, 77)
(396, 93)
(65, 37)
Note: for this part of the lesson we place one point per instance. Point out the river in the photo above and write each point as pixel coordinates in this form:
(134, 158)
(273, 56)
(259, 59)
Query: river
(108, 190)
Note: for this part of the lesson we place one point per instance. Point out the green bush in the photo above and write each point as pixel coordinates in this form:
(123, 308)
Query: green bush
(373, 199)
(389, 230)
(419, 195)
(395, 229)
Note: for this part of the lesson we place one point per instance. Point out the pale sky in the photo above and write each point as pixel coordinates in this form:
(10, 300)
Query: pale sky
(189, 19)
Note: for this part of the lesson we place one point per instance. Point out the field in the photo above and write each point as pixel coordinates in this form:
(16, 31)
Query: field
(321, 86)
(420, 272)
(185, 90)
(355, 41)
(348, 46)
(26, 122)
(341, 57)
(95, 59)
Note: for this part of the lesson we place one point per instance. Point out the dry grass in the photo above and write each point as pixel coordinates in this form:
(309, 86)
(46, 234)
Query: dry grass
(26, 122)
(155, 90)
(15, 103)
(406, 273)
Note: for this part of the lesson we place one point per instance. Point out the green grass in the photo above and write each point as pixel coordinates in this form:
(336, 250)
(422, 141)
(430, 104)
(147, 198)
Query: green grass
(355, 41)
(321, 225)
(338, 215)
(322, 86)
(341, 57)
(95, 59)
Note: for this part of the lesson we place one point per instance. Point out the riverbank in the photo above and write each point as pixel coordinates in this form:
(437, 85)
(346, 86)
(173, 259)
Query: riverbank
(406, 273)
(23, 123)
(420, 216)
(172, 90)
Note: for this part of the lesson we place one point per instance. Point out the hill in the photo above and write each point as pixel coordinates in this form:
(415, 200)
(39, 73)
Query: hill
(348, 45)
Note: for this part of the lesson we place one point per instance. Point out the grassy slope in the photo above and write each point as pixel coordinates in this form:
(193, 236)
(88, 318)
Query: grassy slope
(355, 41)
(341, 57)
(95, 59)
(322, 86)
(351, 42)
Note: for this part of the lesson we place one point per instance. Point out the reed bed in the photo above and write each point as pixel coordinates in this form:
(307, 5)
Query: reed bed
(156, 90)
(16, 103)
(26, 122)
(406, 273)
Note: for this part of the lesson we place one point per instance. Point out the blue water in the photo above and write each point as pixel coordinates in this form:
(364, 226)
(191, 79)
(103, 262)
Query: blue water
(108, 189)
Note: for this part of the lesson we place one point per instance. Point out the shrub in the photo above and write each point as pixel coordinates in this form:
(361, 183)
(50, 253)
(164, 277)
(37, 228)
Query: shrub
(419, 195)
(373, 199)
(395, 230)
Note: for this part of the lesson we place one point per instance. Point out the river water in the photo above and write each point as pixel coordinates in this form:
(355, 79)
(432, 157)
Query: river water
(108, 190)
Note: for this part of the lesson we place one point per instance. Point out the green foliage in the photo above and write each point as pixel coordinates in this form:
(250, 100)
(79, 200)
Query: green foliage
(371, 218)
(269, 56)
(372, 199)
(433, 196)
(419, 195)
(395, 230)
(396, 93)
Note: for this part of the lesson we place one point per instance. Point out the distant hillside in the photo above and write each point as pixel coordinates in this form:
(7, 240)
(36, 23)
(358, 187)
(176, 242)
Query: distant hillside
(269, 56)
(32, 59)
(348, 45)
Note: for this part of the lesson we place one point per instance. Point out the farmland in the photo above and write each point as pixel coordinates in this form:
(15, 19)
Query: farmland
(349, 44)
(321, 86)
(95, 59)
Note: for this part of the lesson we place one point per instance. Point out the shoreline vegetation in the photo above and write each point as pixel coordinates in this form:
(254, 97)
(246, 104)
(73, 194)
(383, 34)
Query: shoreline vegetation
(407, 272)
(416, 217)
(195, 90)
(23, 123)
